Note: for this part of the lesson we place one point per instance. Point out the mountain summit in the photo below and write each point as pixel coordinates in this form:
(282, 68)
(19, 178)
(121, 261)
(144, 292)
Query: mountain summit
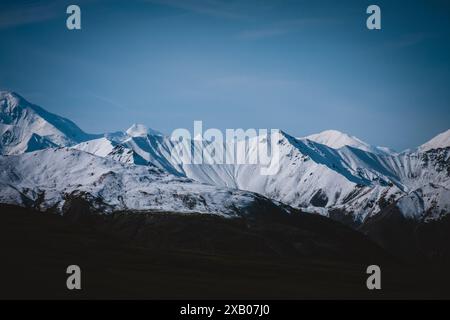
(27, 127)
(139, 130)
(337, 139)
(440, 141)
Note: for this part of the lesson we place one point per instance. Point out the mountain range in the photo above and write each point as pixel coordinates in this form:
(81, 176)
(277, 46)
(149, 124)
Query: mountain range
(47, 159)
(325, 173)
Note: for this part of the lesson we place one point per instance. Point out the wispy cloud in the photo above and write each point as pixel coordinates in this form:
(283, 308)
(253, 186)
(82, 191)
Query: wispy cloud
(282, 28)
(226, 9)
(243, 81)
(217, 8)
(14, 14)
(18, 13)
(409, 40)
(109, 101)
(262, 33)
(244, 85)
(249, 10)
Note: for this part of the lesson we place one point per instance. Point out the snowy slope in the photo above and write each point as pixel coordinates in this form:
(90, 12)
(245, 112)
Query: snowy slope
(428, 202)
(336, 139)
(319, 173)
(47, 178)
(100, 147)
(440, 141)
(139, 130)
(312, 176)
(27, 127)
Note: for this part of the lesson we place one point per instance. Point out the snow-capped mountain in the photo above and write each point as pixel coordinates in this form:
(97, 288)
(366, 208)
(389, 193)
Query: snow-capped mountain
(329, 173)
(336, 139)
(101, 147)
(27, 127)
(312, 176)
(442, 140)
(139, 130)
(46, 179)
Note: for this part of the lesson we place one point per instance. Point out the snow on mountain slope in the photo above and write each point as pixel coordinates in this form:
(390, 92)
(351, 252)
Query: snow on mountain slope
(440, 141)
(417, 169)
(47, 178)
(319, 173)
(311, 176)
(100, 147)
(428, 202)
(336, 139)
(139, 130)
(26, 127)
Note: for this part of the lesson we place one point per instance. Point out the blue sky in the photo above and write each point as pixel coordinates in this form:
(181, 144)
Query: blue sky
(302, 66)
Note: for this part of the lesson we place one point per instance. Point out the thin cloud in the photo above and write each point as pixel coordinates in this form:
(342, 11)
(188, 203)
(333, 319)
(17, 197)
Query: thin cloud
(226, 9)
(410, 40)
(262, 33)
(109, 102)
(12, 15)
(214, 8)
(15, 13)
(251, 81)
(282, 28)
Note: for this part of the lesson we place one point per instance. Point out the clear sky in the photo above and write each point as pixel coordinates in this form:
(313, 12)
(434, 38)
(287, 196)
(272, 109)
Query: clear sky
(302, 66)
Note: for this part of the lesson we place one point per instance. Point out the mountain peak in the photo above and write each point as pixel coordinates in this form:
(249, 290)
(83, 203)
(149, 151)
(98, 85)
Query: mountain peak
(336, 139)
(137, 130)
(24, 125)
(6, 93)
(141, 130)
(12, 100)
(442, 140)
